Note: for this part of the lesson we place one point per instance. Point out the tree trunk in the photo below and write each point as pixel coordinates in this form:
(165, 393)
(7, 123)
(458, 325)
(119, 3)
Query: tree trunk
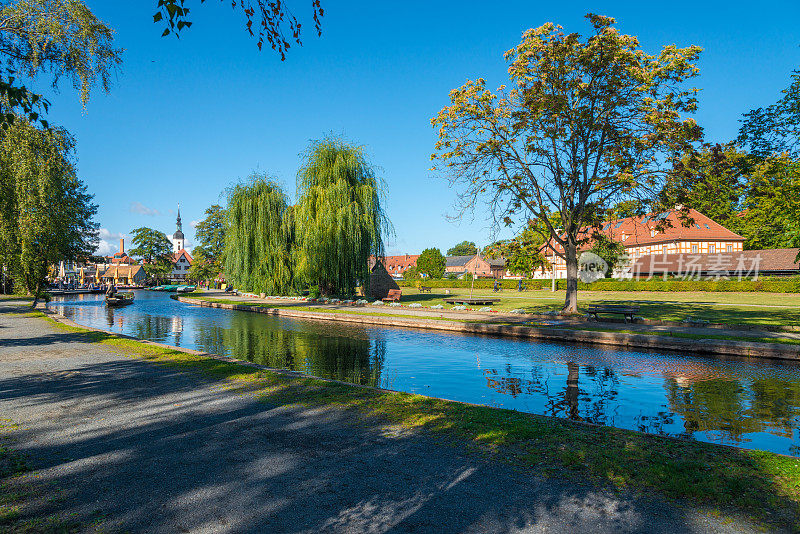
(571, 395)
(36, 293)
(571, 299)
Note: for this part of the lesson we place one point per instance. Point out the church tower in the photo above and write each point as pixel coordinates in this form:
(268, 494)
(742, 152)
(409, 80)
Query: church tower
(178, 241)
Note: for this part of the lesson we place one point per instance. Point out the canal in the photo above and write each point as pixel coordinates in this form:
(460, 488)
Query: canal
(731, 401)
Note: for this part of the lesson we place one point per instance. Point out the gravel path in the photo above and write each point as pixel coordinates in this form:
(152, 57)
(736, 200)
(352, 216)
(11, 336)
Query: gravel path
(127, 445)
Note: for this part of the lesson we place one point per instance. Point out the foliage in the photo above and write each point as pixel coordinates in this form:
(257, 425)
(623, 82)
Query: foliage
(46, 215)
(340, 221)
(465, 248)
(61, 38)
(771, 216)
(155, 250)
(523, 254)
(412, 273)
(710, 180)
(587, 124)
(259, 251)
(271, 17)
(768, 285)
(210, 232)
(611, 251)
(775, 129)
(431, 263)
(204, 266)
(480, 283)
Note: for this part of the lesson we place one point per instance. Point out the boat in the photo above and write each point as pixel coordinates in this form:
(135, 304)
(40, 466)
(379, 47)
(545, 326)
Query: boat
(120, 299)
(185, 289)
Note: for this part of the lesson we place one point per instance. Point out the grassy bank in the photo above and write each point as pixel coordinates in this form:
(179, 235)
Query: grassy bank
(728, 308)
(761, 485)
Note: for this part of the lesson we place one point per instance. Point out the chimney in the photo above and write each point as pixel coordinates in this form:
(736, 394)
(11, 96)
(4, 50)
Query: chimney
(121, 245)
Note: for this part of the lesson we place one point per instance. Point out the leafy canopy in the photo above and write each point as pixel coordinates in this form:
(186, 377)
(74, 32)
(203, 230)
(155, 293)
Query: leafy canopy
(465, 248)
(775, 129)
(272, 20)
(587, 123)
(59, 38)
(210, 232)
(259, 251)
(523, 253)
(46, 215)
(155, 250)
(340, 218)
(431, 263)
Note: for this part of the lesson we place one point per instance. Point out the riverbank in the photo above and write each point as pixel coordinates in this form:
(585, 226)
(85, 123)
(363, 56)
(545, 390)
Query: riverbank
(728, 342)
(588, 478)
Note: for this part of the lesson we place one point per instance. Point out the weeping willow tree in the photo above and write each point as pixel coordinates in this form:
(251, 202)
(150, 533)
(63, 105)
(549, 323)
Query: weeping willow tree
(339, 217)
(259, 240)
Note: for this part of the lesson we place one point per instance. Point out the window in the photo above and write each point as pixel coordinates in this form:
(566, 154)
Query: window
(707, 226)
(729, 248)
(712, 249)
(694, 249)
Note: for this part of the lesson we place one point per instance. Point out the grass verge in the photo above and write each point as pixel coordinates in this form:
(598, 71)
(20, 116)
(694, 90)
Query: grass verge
(761, 485)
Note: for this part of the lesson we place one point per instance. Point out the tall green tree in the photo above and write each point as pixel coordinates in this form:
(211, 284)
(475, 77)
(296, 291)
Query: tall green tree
(465, 248)
(59, 38)
(612, 252)
(523, 253)
(260, 251)
(431, 263)
(204, 266)
(340, 220)
(155, 250)
(210, 232)
(587, 123)
(775, 129)
(711, 180)
(46, 215)
(771, 215)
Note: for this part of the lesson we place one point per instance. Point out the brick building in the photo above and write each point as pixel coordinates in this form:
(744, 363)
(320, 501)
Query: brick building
(641, 239)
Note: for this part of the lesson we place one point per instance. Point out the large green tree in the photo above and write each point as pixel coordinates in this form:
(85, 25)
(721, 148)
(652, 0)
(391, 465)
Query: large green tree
(523, 253)
(155, 250)
(46, 215)
(775, 129)
(340, 220)
(260, 251)
(465, 248)
(431, 263)
(210, 232)
(204, 266)
(587, 123)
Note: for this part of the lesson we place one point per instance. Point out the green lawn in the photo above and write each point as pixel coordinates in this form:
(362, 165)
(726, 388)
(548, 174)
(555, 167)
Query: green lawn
(732, 308)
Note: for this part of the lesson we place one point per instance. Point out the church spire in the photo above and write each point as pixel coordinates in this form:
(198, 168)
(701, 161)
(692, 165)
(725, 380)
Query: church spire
(180, 226)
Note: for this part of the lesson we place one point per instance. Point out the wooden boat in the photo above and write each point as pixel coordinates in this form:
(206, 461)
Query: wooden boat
(185, 289)
(120, 299)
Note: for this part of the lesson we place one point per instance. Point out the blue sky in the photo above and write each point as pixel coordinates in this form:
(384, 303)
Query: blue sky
(186, 117)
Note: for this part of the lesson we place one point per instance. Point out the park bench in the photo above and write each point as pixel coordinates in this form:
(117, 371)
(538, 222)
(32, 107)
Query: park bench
(394, 295)
(626, 311)
(424, 289)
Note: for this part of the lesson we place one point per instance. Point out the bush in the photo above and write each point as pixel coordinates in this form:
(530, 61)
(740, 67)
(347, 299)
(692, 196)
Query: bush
(766, 285)
(763, 284)
(314, 292)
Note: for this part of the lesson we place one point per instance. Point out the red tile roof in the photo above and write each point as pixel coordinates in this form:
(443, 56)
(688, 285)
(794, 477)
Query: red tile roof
(639, 231)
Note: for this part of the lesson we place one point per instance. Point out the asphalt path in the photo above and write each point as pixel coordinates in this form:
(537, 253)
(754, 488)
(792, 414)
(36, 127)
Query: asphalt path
(122, 444)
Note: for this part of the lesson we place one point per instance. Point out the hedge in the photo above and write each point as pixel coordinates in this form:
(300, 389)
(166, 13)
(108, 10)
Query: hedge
(480, 283)
(763, 284)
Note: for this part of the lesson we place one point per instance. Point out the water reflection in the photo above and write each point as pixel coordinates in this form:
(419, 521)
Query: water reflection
(735, 401)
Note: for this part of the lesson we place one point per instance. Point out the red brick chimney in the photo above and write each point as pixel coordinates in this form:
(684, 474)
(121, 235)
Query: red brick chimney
(121, 245)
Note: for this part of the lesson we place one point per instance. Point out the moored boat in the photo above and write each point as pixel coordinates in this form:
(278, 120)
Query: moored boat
(120, 299)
